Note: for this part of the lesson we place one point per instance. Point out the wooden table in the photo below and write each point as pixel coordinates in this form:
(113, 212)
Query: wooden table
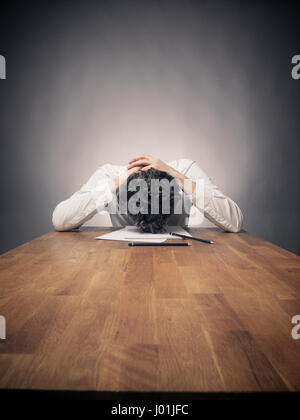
(83, 314)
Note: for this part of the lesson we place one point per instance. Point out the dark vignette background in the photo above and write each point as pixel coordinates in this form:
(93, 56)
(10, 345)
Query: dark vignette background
(91, 82)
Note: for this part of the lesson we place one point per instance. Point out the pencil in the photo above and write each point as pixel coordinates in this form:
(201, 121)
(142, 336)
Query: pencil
(158, 244)
(191, 237)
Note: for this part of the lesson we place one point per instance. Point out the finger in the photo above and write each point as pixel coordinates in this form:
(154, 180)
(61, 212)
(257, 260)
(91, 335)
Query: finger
(138, 163)
(135, 169)
(137, 158)
(145, 168)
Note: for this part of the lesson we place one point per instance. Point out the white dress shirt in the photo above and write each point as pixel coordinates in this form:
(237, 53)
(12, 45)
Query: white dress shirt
(96, 194)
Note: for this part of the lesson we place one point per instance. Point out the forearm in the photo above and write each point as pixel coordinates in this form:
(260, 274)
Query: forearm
(73, 212)
(216, 207)
(81, 206)
(186, 184)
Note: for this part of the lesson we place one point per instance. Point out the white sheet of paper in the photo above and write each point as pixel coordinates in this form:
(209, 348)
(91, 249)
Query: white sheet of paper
(132, 233)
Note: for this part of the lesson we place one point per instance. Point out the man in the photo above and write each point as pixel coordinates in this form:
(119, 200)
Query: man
(105, 184)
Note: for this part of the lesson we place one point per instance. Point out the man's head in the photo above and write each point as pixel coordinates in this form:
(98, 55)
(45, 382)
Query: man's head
(151, 199)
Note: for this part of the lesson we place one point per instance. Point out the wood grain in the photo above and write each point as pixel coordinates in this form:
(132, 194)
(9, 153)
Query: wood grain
(83, 314)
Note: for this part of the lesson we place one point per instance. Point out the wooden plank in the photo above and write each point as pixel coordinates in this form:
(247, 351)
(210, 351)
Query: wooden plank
(185, 359)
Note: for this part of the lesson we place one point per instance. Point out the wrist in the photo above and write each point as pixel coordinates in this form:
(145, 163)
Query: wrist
(113, 184)
(185, 183)
(177, 175)
(173, 172)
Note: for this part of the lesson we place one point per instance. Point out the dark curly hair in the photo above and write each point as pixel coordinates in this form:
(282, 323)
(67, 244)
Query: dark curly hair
(151, 223)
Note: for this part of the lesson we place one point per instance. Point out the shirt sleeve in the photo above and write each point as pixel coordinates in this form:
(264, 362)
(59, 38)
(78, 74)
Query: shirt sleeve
(85, 203)
(216, 206)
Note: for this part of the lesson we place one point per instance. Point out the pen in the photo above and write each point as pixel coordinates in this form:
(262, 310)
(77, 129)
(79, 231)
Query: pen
(157, 244)
(191, 237)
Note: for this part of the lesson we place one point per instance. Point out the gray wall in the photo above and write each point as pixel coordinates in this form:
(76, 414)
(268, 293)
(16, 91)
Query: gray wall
(92, 82)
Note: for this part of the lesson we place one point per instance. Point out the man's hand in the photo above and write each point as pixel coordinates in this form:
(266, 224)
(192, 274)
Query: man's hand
(147, 162)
